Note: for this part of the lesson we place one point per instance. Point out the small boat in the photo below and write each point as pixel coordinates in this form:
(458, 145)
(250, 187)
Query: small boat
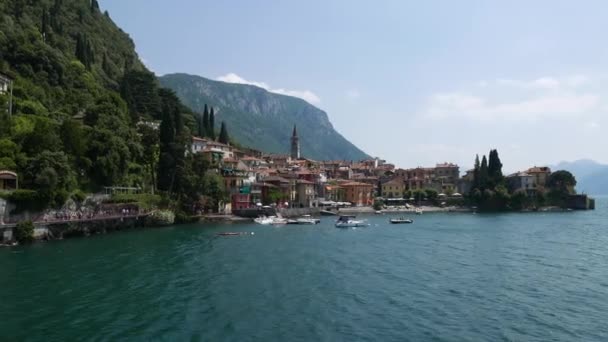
(379, 212)
(308, 220)
(230, 234)
(419, 211)
(349, 222)
(401, 220)
(327, 213)
(263, 220)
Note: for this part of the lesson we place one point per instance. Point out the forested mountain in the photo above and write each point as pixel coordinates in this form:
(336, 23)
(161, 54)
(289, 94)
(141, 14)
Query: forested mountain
(86, 110)
(264, 120)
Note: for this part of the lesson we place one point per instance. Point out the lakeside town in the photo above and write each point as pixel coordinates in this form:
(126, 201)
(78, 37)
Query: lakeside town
(254, 182)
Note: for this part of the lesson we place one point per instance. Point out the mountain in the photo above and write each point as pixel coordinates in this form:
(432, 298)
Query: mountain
(591, 176)
(264, 120)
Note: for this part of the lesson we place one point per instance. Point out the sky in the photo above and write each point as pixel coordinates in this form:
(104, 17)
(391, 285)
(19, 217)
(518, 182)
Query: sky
(413, 82)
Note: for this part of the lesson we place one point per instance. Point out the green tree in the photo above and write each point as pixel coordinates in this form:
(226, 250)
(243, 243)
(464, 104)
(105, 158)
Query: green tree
(140, 91)
(204, 128)
(483, 174)
(224, 138)
(476, 175)
(562, 181)
(495, 176)
(520, 200)
(211, 128)
(51, 175)
(109, 155)
(24, 232)
(173, 139)
(151, 151)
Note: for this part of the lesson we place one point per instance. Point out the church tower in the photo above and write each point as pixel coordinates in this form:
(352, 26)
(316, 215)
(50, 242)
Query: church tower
(295, 144)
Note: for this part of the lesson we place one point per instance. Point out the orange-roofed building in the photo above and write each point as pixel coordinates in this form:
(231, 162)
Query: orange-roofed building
(359, 194)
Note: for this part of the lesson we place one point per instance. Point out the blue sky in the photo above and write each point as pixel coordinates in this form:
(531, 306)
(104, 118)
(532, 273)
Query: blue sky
(414, 82)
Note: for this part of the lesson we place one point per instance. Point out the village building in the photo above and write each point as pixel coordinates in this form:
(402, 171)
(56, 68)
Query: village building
(8, 181)
(540, 174)
(393, 188)
(5, 84)
(359, 194)
(213, 151)
(521, 181)
(305, 193)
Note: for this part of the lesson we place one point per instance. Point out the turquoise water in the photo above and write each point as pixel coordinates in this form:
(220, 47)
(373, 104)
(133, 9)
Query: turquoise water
(447, 277)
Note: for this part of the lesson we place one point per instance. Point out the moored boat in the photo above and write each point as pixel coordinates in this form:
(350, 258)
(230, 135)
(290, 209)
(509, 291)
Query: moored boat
(349, 222)
(263, 220)
(401, 220)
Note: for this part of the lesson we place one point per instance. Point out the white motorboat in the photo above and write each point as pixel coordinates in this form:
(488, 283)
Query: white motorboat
(308, 220)
(349, 222)
(263, 220)
(419, 211)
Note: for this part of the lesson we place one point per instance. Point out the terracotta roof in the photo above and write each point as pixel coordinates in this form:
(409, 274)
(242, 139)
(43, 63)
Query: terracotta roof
(303, 181)
(395, 181)
(356, 184)
(446, 164)
(537, 169)
(275, 179)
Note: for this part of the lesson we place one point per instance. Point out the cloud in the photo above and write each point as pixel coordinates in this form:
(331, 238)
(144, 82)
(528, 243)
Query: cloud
(543, 83)
(306, 95)
(592, 125)
(539, 83)
(517, 100)
(475, 107)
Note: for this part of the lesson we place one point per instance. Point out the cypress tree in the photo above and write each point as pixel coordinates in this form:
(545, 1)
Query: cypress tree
(212, 124)
(199, 122)
(495, 168)
(483, 173)
(205, 131)
(45, 24)
(224, 138)
(476, 173)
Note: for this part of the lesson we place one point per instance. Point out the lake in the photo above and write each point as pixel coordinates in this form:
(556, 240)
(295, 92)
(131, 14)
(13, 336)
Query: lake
(447, 277)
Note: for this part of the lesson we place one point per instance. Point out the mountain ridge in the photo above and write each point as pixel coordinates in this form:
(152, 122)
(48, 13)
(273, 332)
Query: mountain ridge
(264, 120)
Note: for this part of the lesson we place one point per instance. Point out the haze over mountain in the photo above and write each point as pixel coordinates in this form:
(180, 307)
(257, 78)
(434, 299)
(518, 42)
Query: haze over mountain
(591, 176)
(264, 120)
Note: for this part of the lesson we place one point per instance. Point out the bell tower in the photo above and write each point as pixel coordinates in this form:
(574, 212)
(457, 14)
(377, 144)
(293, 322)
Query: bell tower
(295, 144)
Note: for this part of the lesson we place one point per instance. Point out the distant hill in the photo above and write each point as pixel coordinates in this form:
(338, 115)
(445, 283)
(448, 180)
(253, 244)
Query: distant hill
(591, 176)
(264, 120)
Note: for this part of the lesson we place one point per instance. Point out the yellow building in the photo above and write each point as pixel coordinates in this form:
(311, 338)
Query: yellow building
(394, 188)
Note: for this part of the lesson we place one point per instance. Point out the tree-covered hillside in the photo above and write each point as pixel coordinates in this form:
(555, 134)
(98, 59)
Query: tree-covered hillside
(264, 120)
(86, 111)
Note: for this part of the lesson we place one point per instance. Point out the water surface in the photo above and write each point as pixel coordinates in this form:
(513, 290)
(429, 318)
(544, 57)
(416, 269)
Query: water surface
(447, 277)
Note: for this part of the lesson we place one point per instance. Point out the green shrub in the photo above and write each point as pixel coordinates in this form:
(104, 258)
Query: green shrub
(24, 232)
(26, 200)
(161, 218)
(144, 201)
(378, 205)
(79, 196)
